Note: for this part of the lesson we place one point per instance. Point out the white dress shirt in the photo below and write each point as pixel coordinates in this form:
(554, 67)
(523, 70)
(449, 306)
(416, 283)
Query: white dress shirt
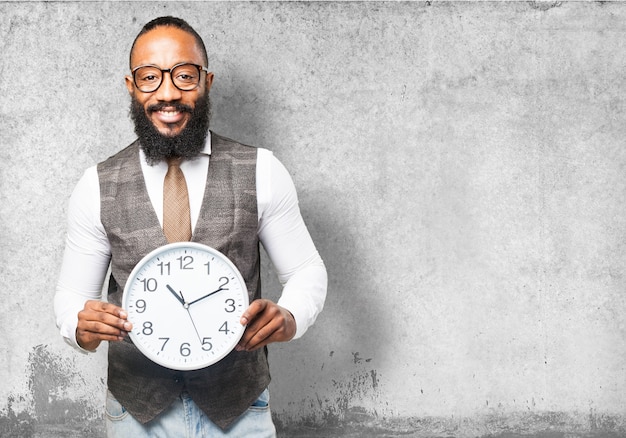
(281, 230)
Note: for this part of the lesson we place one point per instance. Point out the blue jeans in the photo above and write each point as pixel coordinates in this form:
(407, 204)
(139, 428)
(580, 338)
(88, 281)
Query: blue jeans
(184, 419)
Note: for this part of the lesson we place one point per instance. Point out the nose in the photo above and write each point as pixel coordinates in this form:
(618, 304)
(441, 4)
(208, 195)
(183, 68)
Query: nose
(167, 92)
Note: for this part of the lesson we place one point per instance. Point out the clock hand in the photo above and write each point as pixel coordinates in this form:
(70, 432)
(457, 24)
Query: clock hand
(186, 306)
(207, 295)
(178, 297)
(194, 324)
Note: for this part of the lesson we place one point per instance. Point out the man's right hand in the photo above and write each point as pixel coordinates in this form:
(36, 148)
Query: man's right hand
(100, 321)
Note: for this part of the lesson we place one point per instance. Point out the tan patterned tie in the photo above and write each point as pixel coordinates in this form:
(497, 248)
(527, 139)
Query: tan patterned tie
(176, 217)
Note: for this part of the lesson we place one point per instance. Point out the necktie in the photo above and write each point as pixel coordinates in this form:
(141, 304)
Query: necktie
(176, 218)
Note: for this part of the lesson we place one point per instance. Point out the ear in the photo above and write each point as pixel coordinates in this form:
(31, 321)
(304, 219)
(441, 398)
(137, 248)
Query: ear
(130, 85)
(209, 80)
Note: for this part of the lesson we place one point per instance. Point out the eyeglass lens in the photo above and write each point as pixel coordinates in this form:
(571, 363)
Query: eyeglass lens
(185, 77)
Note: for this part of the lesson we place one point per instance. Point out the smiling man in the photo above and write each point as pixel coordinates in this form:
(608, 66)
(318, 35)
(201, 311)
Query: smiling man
(171, 117)
(229, 196)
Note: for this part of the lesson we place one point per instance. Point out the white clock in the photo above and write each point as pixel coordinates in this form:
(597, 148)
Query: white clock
(185, 301)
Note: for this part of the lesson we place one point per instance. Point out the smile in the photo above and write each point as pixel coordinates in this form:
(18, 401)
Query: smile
(168, 115)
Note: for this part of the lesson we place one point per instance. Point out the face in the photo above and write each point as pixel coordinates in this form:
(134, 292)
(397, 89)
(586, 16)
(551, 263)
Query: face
(165, 107)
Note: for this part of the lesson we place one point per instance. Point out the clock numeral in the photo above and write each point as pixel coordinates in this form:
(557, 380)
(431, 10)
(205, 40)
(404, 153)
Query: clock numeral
(165, 341)
(140, 305)
(230, 305)
(165, 268)
(208, 268)
(185, 350)
(206, 345)
(147, 328)
(224, 281)
(149, 284)
(224, 328)
(185, 262)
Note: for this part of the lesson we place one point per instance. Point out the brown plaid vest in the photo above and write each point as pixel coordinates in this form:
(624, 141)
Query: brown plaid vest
(228, 222)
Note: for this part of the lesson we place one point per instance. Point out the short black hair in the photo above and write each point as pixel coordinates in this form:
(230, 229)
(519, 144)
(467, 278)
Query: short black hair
(170, 21)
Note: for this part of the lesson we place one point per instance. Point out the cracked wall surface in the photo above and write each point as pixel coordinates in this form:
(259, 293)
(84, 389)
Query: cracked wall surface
(460, 166)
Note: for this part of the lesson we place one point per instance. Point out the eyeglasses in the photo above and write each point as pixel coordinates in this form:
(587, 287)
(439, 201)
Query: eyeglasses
(185, 77)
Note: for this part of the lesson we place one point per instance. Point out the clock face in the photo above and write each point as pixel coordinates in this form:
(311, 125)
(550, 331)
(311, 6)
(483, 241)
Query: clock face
(185, 301)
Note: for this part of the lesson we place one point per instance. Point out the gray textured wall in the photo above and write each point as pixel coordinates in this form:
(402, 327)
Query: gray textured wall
(461, 169)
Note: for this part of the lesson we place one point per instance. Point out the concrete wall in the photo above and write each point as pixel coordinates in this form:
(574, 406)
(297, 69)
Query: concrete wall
(461, 169)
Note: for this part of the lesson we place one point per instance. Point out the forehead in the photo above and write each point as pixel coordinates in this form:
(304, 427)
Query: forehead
(165, 46)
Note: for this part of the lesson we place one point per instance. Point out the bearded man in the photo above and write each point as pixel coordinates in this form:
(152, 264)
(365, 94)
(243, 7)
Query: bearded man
(123, 198)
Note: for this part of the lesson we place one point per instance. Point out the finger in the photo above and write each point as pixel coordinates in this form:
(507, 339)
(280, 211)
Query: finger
(265, 314)
(104, 307)
(264, 336)
(274, 325)
(99, 322)
(257, 307)
(90, 334)
(117, 328)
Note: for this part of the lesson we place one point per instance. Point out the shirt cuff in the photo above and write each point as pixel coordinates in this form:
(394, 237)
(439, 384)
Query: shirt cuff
(299, 315)
(304, 297)
(68, 331)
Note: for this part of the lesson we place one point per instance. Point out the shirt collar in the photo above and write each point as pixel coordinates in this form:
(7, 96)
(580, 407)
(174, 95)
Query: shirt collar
(207, 145)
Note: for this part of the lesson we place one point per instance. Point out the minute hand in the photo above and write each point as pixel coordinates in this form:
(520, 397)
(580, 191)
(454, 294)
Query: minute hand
(207, 295)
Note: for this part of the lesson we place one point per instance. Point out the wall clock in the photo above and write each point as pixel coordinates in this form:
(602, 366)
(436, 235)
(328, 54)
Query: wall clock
(185, 301)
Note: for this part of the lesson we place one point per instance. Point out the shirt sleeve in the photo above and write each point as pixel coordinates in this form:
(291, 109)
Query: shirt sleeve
(86, 257)
(287, 241)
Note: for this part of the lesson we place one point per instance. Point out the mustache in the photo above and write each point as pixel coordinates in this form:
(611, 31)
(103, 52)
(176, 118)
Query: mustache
(180, 107)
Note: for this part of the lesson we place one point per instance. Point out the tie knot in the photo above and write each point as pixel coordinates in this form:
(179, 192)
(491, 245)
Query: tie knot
(174, 161)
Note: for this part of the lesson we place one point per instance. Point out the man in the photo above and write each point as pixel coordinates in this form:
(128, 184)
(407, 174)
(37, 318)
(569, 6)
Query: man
(116, 215)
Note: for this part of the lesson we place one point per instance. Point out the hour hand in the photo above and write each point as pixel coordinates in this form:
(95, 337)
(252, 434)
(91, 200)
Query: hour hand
(178, 297)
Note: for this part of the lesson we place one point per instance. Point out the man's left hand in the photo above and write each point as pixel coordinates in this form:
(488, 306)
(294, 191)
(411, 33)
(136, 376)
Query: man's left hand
(267, 322)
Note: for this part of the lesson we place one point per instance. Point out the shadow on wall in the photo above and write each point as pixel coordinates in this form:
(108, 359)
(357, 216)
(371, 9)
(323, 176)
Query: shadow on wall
(351, 336)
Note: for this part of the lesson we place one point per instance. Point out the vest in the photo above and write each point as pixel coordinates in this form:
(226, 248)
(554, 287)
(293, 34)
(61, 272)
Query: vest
(228, 222)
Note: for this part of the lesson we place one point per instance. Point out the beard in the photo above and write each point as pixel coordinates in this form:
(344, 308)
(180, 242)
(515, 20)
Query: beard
(187, 144)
